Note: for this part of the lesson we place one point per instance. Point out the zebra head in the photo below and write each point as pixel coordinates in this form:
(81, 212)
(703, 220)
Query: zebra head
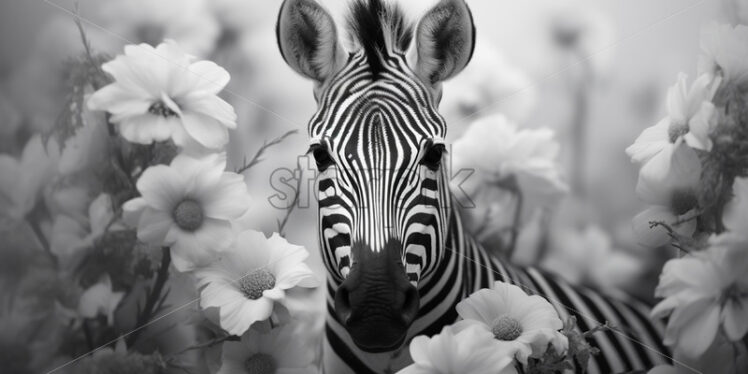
(378, 141)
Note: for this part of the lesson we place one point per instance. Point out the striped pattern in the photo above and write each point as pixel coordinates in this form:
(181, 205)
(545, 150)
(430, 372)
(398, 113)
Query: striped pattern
(376, 121)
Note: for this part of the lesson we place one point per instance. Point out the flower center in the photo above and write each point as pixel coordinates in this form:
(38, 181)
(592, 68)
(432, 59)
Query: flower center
(260, 363)
(255, 282)
(681, 201)
(506, 328)
(188, 215)
(676, 130)
(160, 109)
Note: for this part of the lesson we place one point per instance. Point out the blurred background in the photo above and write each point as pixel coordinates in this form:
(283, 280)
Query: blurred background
(595, 72)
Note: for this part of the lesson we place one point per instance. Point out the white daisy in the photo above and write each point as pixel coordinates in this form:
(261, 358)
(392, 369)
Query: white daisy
(278, 351)
(251, 278)
(704, 293)
(162, 93)
(469, 351)
(188, 206)
(521, 324)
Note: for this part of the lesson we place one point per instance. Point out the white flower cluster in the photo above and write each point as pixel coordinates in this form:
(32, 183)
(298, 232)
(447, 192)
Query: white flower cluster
(193, 206)
(693, 166)
(500, 330)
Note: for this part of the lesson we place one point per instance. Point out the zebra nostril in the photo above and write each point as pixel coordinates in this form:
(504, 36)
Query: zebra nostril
(410, 306)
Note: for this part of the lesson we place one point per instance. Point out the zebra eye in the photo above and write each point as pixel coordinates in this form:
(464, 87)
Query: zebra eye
(321, 156)
(432, 159)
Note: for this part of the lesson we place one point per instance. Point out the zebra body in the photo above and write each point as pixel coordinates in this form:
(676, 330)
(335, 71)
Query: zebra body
(634, 343)
(397, 257)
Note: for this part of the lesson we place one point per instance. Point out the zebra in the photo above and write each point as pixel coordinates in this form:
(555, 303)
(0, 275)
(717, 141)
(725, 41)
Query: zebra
(397, 257)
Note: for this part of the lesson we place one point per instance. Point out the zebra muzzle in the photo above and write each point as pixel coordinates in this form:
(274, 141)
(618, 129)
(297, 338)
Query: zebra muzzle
(377, 302)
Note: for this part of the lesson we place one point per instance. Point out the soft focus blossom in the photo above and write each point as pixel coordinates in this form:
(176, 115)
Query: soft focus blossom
(189, 22)
(71, 238)
(521, 324)
(251, 278)
(704, 293)
(100, 299)
(488, 84)
(188, 206)
(469, 351)
(669, 166)
(503, 157)
(724, 51)
(86, 149)
(162, 93)
(281, 351)
(24, 178)
(587, 256)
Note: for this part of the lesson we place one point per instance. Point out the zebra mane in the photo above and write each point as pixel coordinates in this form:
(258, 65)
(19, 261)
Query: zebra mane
(379, 29)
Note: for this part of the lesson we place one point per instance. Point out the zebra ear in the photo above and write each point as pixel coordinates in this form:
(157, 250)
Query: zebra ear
(308, 40)
(445, 38)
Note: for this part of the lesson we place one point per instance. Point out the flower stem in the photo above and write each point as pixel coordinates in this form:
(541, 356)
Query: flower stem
(152, 300)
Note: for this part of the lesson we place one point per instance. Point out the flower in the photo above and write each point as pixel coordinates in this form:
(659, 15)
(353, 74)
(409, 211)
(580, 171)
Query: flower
(189, 206)
(189, 22)
(703, 292)
(465, 352)
(509, 160)
(23, 179)
(724, 50)
(489, 83)
(521, 324)
(162, 93)
(587, 256)
(70, 238)
(278, 351)
(250, 278)
(100, 299)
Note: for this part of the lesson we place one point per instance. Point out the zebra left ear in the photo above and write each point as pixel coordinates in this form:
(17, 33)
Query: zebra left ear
(444, 42)
(308, 40)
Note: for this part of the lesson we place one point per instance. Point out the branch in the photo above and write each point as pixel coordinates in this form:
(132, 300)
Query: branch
(153, 298)
(256, 159)
(282, 224)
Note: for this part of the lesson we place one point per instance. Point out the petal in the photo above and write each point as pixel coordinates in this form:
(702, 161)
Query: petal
(651, 142)
(122, 103)
(209, 77)
(652, 237)
(205, 130)
(162, 187)
(735, 319)
(211, 106)
(229, 199)
(695, 327)
(153, 226)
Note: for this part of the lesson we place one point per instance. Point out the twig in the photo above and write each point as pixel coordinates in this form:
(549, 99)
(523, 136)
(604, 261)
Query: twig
(153, 297)
(282, 224)
(256, 159)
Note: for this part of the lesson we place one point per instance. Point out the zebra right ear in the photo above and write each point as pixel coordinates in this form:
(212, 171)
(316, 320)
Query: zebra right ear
(444, 42)
(308, 40)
